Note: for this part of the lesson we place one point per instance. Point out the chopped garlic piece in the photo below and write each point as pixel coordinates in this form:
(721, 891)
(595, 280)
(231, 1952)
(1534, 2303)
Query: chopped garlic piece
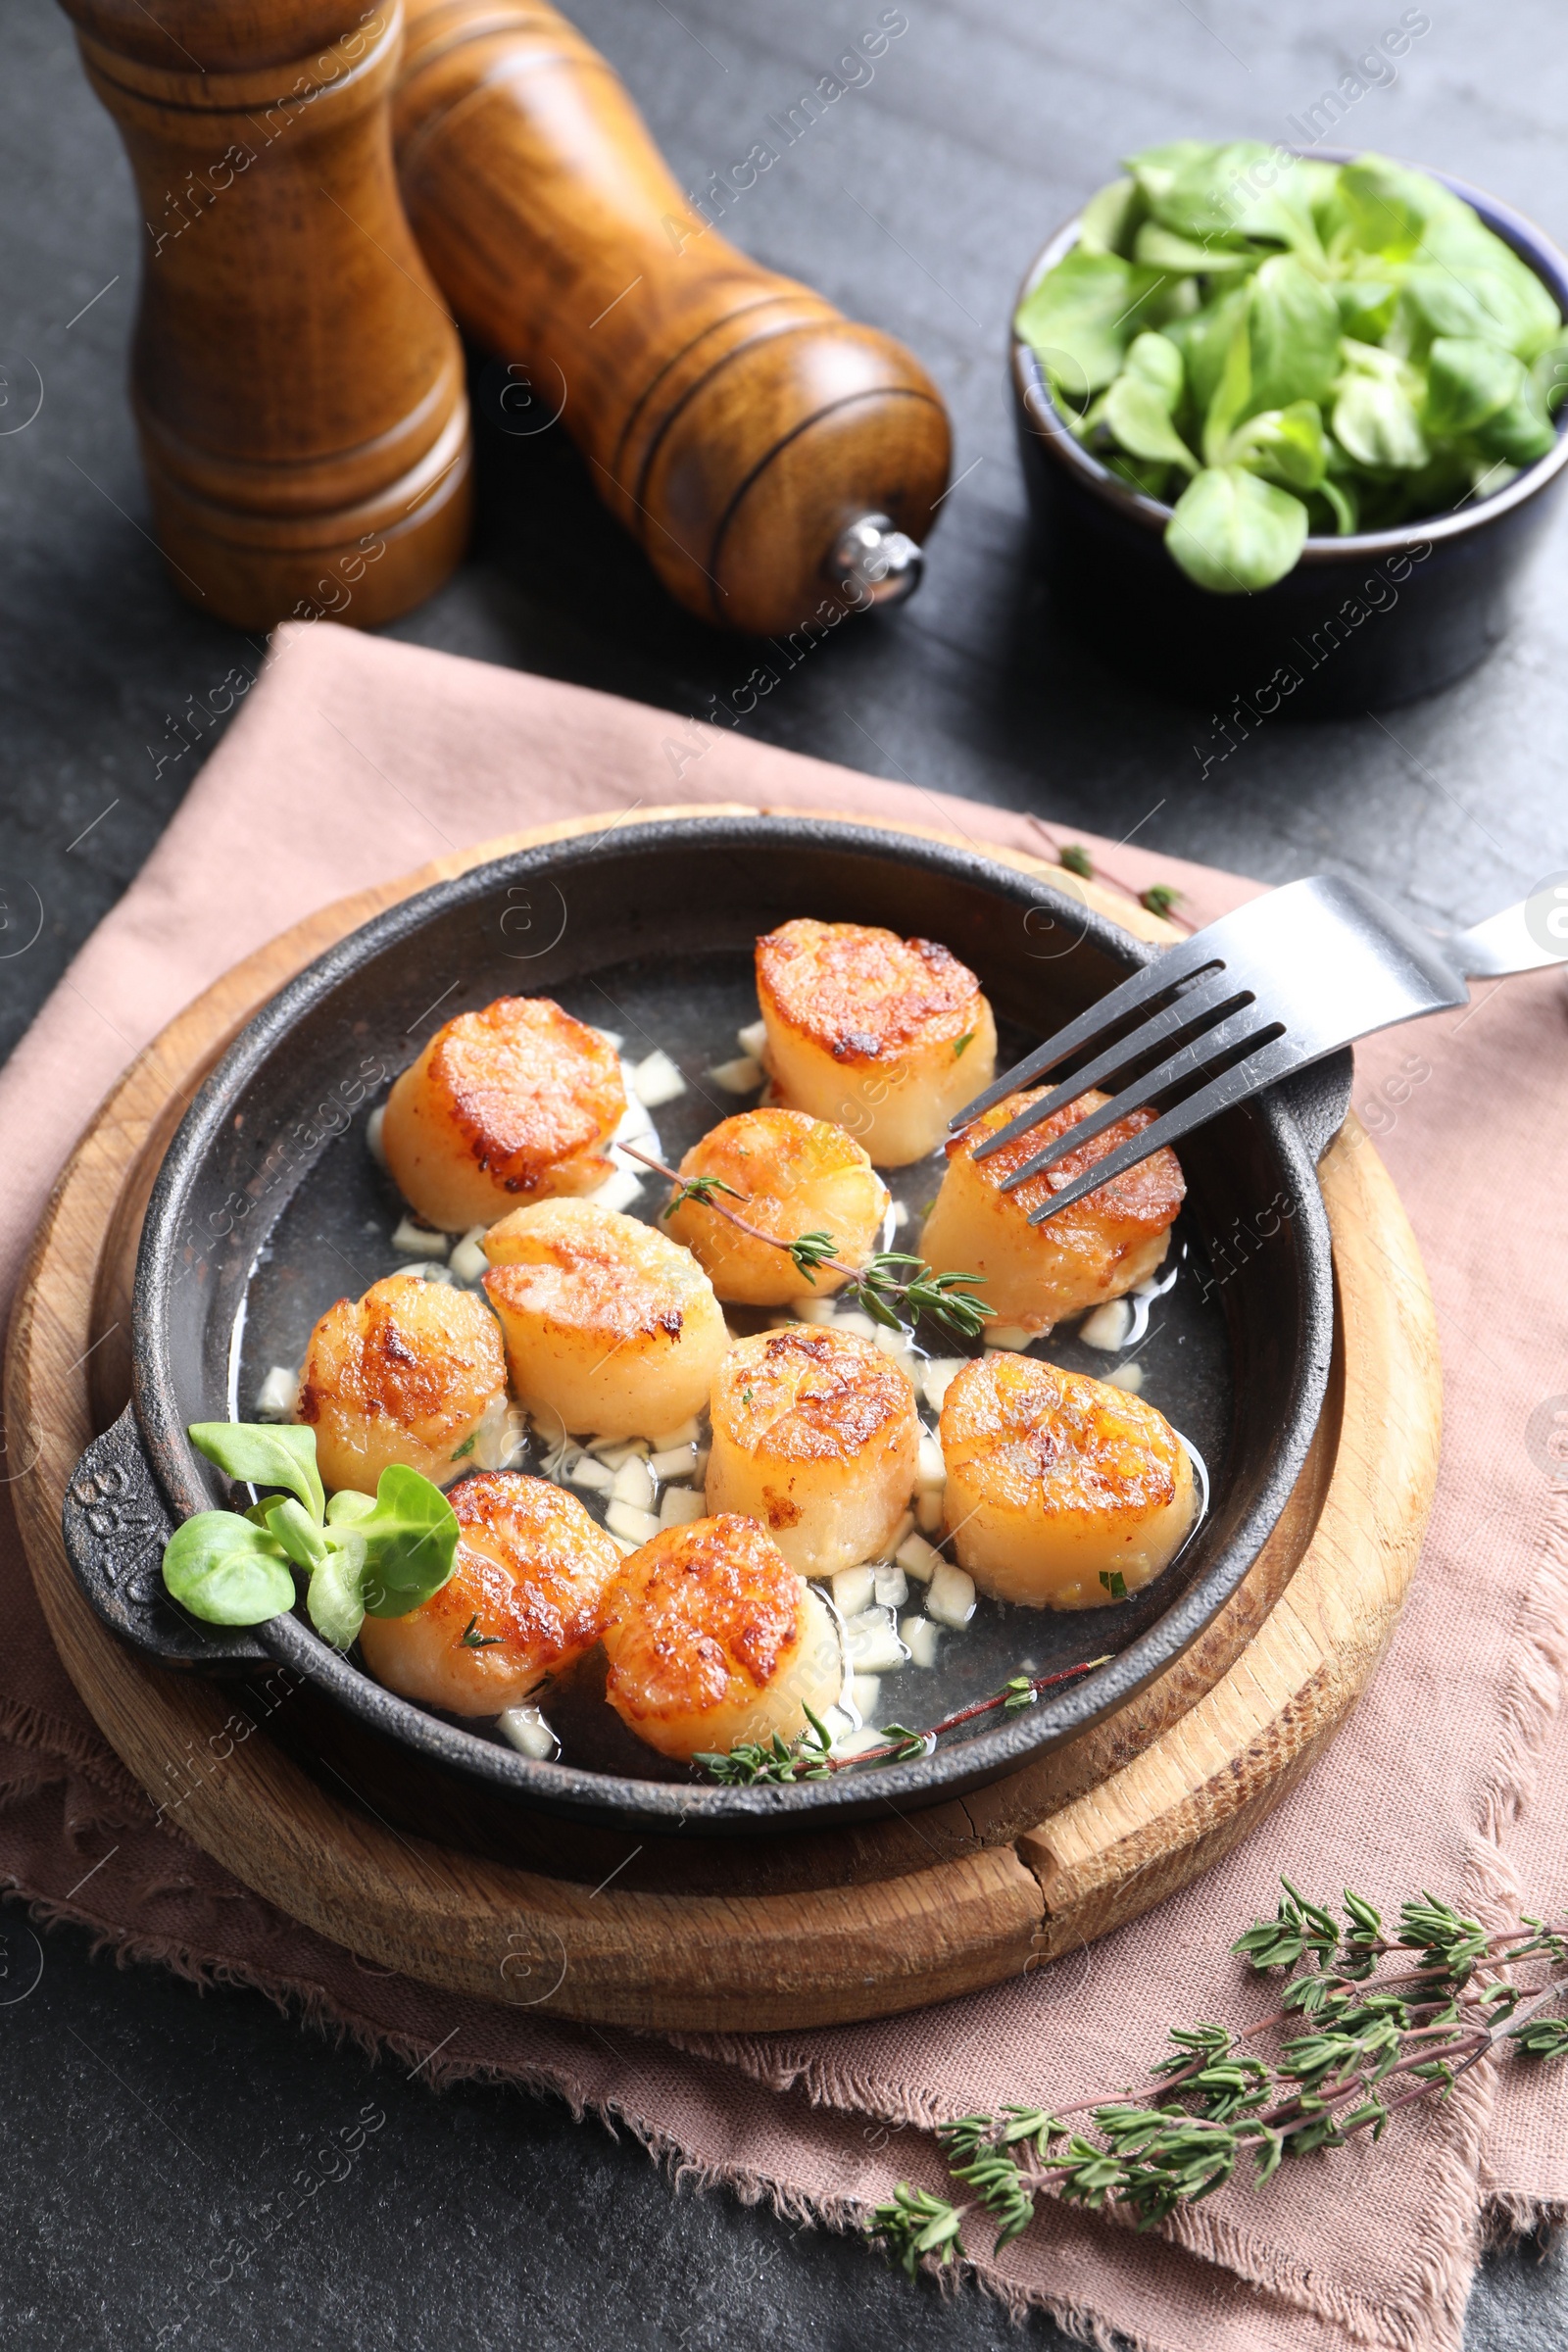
(686, 1435)
(673, 1462)
(278, 1395)
(1108, 1327)
(742, 1076)
(372, 1134)
(919, 1558)
(1009, 1335)
(930, 1508)
(417, 1240)
(528, 1733)
(637, 1527)
(951, 1599)
(656, 1080)
(613, 1452)
(751, 1039)
(920, 1638)
(895, 1346)
(811, 1310)
(906, 1527)
(586, 1472)
(933, 1468)
(617, 1192)
(612, 1039)
(901, 1215)
(1129, 1376)
(938, 1376)
(853, 1588)
(426, 1270)
(892, 1588)
(873, 1644)
(634, 1483)
(469, 1261)
(678, 1507)
(854, 1744)
(866, 1693)
(853, 1320)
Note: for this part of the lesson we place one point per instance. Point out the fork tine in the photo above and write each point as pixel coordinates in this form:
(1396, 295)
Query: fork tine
(1149, 988)
(1232, 1085)
(1191, 1060)
(1206, 998)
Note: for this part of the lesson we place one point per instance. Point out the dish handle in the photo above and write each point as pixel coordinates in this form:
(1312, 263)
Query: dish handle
(116, 1524)
(1318, 1098)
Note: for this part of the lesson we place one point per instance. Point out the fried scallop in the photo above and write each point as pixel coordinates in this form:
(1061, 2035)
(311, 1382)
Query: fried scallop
(515, 1102)
(1057, 1484)
(712, 1638)
(413, 1372)
(1109, 1242)
(888, 1037)
(794, 1175)
(526, 1598)
(816, 1434)
(610, 1326)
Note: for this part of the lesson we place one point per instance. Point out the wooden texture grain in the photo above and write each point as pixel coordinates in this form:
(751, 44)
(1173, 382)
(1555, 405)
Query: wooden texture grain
(733, 420)
(297, 380)
(879, 1921)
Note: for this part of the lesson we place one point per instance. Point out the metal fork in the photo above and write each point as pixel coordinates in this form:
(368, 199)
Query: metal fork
(1286, 979)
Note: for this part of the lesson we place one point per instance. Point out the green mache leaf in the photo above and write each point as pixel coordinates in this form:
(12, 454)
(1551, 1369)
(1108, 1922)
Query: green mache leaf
(1367, 306)
(1140, 418)
(1204, 340)
(411, 1541)
(1156, 361)
(335, 1598)
(226, 1570)
(1384, 207)
(291, 1523)
(1139, 474)
(348, 1508)
(1232, 533)
(1342, 500)
(1233, 394)
(1288, 446)
(264, 1453)
(1156, 170)
(1162, 249)
(1468, 382)
(1205, 192)
(1519, 433)
(1110, 218)
(1081, 318)
(1294, 328)
(1375, 420)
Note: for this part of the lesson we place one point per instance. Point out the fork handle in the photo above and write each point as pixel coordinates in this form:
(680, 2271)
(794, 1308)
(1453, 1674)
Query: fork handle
(1521, 939)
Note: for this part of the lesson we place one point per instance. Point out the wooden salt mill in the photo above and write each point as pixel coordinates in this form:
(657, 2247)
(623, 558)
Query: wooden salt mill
(297, 381)
(776, 461)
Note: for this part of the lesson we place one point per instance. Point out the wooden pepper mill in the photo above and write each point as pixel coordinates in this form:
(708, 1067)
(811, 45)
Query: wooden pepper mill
(767, 453)
(297, 380)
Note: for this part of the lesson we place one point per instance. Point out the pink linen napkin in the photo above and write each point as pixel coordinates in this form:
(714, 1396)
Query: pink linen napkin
(356, 760)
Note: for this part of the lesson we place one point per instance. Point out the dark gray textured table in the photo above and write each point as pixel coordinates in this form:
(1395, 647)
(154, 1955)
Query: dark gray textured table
(136, 2112)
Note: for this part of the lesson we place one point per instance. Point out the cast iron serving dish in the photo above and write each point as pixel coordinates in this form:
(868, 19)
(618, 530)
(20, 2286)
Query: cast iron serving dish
(269, 1205)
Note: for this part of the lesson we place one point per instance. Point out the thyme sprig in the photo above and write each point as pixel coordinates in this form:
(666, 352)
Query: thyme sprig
(895, 1289)
(1366, 2044)
(809, 1755)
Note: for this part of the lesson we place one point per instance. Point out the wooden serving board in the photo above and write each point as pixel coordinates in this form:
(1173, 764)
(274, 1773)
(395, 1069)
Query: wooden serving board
(842, 1924)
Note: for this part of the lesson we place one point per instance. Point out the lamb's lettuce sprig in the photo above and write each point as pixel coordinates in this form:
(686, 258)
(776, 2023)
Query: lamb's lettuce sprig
(382, 1553)
(1279, 347)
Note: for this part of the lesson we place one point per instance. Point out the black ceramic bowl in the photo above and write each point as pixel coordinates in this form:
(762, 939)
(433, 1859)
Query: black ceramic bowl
(268, 1206)
(1369, 621)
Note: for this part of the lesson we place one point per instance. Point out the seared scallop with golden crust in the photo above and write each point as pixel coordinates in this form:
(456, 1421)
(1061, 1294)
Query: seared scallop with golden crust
(513, 1104)
(789, 1174)
(610, 1326)
(712, 1638)
(888, 1037)
(1106, 1244)
(412, 1372)
(816, 1434)
(1059, 1485)
(525, 1599)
